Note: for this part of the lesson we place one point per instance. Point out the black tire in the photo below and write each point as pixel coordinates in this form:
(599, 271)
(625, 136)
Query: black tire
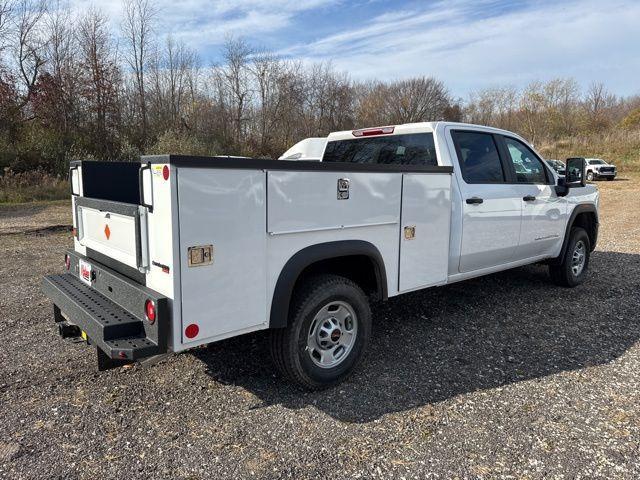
(289, 345)
(590, 176)
(563, 274)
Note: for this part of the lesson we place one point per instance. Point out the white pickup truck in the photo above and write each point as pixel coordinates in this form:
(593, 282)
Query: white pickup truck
(179, 251)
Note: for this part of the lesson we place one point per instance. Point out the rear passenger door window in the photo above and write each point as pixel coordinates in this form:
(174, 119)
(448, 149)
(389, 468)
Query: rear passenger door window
(528, 168)
(478, 157)
(403, 149)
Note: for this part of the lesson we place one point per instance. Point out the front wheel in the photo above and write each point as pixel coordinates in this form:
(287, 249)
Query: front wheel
(575, 263)
(327, 334)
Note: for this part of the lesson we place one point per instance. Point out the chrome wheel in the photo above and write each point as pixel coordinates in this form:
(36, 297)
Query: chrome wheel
(578, 258)
(332, 334)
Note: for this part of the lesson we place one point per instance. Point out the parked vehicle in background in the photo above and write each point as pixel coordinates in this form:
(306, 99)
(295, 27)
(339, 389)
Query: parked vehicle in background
(598, 168)
(175, 252)
(558, 166)
(307, 149)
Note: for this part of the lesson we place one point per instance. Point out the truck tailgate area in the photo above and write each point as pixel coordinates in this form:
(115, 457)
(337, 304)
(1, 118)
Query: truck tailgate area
(114, 229)
(110, 312)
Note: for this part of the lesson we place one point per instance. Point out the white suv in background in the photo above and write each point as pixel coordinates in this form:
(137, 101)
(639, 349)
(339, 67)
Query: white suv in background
(598, 168)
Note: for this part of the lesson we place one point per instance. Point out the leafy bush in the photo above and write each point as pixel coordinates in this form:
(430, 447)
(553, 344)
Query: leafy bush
(632, 120)
(172, 141)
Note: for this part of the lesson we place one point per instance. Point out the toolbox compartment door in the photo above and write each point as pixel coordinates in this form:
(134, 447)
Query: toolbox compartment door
(424, 231)
(223, 212)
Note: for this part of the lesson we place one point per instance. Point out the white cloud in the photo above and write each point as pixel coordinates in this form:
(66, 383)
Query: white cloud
(203, 23)
(586, 39)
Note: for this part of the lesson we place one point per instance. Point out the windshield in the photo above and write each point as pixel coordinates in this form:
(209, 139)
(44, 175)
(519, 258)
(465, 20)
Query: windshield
(597, 162)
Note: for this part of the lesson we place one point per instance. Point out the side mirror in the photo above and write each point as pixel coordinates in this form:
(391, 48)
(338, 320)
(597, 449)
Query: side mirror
(575, 176)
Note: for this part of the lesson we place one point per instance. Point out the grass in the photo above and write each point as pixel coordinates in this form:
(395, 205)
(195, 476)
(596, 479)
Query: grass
(33, 186)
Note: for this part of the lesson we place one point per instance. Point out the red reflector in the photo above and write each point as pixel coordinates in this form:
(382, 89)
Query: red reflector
(122, 355)
(369, 132)
(150, 310)
(165, 172)
(192, 331)
(67, 261)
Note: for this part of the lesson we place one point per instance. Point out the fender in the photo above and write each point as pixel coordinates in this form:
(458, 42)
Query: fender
(582, 208)
(312, 254)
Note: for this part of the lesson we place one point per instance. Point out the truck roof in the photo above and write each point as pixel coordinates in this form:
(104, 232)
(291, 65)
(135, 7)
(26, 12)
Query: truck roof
(406, 128)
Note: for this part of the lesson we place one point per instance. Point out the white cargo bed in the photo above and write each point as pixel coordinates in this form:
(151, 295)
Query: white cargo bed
(257, 215)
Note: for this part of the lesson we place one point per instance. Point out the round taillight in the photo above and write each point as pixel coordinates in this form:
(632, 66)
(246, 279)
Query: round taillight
(150, 310)
(165, 172)
(67, 261)
(192, 331)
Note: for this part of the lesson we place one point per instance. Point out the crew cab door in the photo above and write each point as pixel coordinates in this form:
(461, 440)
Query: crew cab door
(491, 207)
(543, 212)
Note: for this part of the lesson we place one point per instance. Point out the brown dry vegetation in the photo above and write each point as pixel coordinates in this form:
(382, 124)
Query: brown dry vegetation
(31, 186)
(620, 147)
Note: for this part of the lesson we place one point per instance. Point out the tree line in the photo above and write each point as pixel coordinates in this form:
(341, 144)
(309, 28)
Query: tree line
(73, 87)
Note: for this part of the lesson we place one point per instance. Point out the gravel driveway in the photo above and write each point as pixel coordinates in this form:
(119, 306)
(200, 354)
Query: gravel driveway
(505, 376)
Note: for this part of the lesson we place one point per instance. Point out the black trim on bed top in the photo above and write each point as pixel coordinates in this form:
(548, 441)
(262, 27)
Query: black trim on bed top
(186, 161)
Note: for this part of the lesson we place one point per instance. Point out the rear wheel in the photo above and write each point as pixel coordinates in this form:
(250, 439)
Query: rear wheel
(575, 263)
(590, 176)
(328, 331)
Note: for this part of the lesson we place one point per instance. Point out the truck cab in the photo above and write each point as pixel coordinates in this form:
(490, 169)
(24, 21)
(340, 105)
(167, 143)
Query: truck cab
(507, 206)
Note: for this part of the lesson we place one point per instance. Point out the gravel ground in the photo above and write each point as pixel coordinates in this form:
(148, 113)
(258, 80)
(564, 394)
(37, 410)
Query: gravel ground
(505, 376)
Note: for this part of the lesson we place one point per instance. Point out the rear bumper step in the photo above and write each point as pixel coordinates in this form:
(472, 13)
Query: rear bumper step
(114, 330)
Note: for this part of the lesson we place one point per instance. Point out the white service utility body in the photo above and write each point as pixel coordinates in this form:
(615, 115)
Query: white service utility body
(179, 251)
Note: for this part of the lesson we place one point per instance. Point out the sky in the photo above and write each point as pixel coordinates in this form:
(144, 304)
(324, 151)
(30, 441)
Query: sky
(468, 44)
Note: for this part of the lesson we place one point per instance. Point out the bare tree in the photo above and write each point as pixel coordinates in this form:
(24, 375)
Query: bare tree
(268, 70)
(414, 100)
(234, 83)
(7, 8)
(60, 40)
(417, 100)
(495, 106)
(171, 71)
(62, 66)
(598, 104)
(101, 80)
(30, 48)
(137, 27)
